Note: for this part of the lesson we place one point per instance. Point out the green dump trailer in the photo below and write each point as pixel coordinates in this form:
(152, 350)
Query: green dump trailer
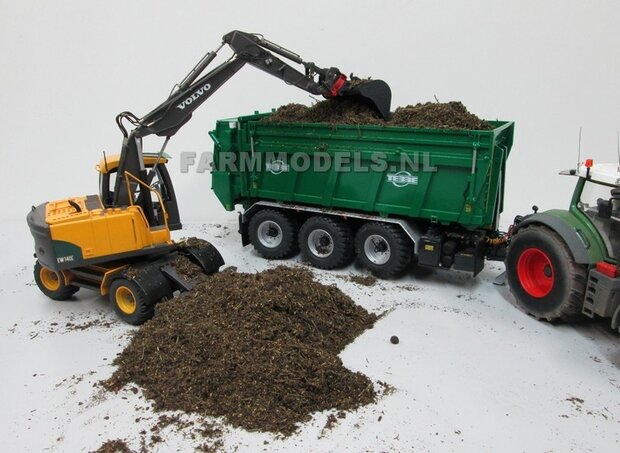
(384, 194)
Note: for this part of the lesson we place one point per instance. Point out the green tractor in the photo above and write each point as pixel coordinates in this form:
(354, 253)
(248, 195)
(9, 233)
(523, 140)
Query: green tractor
(562, 264)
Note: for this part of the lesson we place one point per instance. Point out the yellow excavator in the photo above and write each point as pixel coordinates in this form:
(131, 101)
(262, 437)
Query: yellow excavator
(118, 242)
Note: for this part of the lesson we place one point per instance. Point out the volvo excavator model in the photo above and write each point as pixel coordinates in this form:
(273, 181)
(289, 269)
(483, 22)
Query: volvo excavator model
(118, 242)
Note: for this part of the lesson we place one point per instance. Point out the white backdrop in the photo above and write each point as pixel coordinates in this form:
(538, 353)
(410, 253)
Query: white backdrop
(68, 67)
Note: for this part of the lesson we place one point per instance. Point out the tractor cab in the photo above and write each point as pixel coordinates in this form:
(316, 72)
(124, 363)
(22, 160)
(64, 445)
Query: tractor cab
(597, 195)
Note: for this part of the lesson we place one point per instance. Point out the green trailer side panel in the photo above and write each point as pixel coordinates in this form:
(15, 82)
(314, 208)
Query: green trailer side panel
(442, 176)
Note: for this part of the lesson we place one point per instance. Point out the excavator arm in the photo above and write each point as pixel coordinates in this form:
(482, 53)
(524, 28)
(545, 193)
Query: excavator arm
(167, 118)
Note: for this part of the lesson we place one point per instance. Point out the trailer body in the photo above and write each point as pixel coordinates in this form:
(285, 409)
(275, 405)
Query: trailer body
(435, 175)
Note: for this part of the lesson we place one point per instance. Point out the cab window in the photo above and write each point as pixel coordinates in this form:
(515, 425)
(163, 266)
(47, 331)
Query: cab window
(603, 210)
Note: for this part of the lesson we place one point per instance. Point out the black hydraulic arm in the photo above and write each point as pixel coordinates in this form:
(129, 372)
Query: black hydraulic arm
(255, 49)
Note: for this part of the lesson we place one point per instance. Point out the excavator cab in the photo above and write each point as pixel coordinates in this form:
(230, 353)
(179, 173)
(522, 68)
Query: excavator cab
(160, 187)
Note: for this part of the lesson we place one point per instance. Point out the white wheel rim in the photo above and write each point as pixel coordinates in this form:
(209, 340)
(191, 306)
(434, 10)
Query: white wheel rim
(377, 249)
(320, 243)
(269, 234)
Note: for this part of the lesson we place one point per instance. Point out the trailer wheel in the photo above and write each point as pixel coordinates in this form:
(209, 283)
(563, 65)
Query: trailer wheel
(130, 302)
(383, 249)
(326, 242)
(543, 277)
(52, 283)
(273, 234)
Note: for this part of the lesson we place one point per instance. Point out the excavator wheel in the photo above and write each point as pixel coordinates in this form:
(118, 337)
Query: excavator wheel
(52, 283)
(130, 302)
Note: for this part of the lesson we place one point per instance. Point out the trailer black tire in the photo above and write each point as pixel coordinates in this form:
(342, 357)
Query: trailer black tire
(326, 242)
(52, 283)
(273, 233)
(384, 249)
(131, 303)
(543, 276)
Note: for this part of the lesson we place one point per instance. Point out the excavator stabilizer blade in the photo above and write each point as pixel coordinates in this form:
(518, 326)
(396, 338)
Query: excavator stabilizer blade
(207, 257)
(376, 93)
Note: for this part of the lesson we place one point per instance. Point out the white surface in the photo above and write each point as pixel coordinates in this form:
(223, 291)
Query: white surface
(68, 67)
(471, 372)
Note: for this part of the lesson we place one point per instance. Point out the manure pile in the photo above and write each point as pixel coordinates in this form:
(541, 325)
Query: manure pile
(260, 349)
(436, 115)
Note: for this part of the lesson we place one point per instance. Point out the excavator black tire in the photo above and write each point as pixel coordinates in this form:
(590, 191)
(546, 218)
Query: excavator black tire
(52, 283)
(130, 302)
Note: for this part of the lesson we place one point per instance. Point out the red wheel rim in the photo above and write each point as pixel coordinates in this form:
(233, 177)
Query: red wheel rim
(535, 272)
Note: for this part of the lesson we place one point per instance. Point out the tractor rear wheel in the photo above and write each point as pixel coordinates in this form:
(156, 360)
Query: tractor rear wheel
(543, 276)
(130, 302)
(52, 283)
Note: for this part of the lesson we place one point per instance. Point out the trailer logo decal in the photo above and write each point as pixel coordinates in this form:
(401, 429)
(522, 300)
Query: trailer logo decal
(199, 92)
(402, 179)
(276, 167)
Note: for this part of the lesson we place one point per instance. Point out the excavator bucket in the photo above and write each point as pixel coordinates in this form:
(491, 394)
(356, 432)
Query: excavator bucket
(375, 93)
